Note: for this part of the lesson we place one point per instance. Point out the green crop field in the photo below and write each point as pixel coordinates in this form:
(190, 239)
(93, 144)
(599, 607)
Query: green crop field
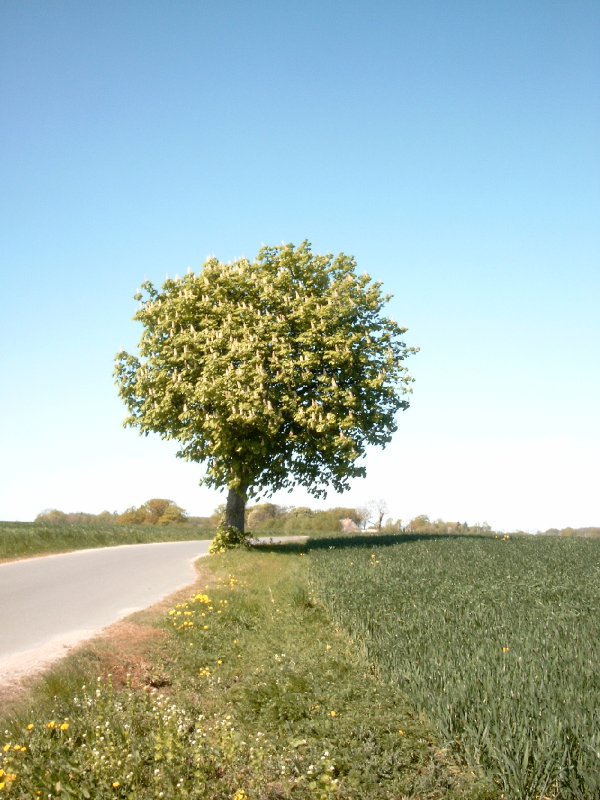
(26, 539)
(496, 640)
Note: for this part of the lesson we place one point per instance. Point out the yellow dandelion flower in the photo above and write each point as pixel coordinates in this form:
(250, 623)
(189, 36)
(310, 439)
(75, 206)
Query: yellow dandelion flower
(506, 649)
(64, 726)
(116, 784)
(51, 725)
(333, 713)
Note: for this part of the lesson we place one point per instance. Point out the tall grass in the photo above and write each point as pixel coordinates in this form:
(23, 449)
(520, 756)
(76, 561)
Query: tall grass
(25, 539)
(496, 639)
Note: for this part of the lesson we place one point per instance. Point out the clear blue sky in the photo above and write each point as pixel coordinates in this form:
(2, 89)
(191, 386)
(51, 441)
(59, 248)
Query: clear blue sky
(453, 148)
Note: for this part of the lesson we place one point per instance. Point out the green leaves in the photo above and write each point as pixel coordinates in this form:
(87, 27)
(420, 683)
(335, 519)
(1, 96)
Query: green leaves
(275, 372)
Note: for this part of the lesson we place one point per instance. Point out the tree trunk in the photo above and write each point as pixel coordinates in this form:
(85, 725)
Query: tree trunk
(234, 510)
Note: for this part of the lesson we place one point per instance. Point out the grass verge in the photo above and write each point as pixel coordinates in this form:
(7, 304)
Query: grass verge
(243, 690)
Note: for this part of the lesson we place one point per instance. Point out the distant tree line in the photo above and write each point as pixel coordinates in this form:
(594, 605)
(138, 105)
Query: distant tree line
(585, 533)
(156, 511)
(263, 518)
(269, 518)
(52, 516)
(422, 524)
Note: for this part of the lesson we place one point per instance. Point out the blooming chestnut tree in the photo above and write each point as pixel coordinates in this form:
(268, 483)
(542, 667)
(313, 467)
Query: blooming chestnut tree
(273, 373)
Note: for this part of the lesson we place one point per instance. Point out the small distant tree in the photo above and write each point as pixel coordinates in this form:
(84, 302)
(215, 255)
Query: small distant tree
(273, 373)
(299, 520)
(153, 512)
(264, 516)
(218, 515)
(51, 516)
(172, 515)
(132, 516)
(420, 524)
(107, 517)
(339, 513)
(158, 511)
(363, 514)
(376, 510)
(348, 525)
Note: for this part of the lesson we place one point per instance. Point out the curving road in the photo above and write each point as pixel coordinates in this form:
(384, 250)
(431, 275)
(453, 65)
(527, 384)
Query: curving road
(52, 602)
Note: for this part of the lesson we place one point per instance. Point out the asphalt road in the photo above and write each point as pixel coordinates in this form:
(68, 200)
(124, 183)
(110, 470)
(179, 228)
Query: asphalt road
(52, 602)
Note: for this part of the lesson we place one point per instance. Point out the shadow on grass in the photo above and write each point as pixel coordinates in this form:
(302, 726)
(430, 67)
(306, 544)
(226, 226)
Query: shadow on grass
(364, 541)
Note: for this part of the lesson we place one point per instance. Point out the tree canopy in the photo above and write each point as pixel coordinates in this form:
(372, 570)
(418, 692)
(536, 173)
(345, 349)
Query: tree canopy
(273, 373)
(156, 511)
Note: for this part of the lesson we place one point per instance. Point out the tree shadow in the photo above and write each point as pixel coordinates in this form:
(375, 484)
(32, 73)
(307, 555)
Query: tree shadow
(364, 541)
